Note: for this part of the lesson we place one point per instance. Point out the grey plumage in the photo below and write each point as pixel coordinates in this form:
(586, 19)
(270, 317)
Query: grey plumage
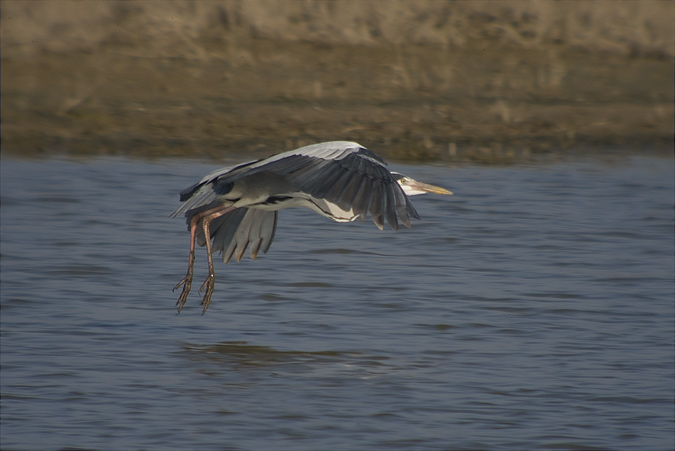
(331, 171)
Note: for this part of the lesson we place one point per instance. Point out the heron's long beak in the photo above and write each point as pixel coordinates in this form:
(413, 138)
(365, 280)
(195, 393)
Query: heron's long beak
(421, 188)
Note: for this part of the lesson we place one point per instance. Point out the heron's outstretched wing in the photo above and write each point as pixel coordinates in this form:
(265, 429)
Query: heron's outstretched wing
(233, 232)
(349, 176)
(342, 173)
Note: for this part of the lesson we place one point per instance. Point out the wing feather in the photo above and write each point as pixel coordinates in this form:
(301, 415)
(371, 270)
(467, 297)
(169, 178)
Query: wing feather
(350, 190)
(257, 229)
(344, 189)
(328, 183)
(390, 207)
(376, 204)
(244, 227)
(401, 203)
(350, 183)
(223, 229)
(268, 228)
(361, 201)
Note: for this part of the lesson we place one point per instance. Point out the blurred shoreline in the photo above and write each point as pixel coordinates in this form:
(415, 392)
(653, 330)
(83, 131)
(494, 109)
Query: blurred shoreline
(426, 81)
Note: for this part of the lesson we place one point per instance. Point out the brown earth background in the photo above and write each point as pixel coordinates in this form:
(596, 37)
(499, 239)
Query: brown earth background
(490, 81)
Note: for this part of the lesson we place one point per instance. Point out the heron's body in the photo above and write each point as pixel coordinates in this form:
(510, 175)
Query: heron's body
(236, 207)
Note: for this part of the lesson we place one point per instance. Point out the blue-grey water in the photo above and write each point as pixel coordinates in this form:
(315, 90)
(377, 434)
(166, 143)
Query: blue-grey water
(532, 309)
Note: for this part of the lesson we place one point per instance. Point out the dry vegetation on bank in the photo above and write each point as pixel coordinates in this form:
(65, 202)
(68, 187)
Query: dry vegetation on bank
(493, 81)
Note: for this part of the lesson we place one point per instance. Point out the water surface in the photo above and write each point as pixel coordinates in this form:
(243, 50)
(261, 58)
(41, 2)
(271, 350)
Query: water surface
(533, 309)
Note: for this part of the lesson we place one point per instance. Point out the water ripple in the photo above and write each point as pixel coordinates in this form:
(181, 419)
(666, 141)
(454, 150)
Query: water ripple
(533, 310)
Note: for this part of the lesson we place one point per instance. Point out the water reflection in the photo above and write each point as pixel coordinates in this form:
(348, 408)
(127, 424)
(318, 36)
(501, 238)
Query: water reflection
(216, 360)
(243, 353)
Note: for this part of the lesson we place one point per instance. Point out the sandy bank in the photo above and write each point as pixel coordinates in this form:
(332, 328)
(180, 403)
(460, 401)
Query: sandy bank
(494, 81)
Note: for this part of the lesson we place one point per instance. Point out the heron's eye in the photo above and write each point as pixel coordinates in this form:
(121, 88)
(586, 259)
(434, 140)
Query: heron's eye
(404, 180)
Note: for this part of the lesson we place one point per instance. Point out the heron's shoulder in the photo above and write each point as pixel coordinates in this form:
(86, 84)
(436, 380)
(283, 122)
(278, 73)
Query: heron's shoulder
(214, 178)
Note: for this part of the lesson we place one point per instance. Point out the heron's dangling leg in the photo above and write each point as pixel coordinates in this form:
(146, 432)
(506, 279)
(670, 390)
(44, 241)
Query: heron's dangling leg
(187, 280)
(210, 283)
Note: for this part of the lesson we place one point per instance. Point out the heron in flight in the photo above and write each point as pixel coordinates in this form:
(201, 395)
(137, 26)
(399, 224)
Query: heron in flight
(236, 207)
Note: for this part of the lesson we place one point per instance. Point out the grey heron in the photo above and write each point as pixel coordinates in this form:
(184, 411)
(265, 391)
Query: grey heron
(236, 207)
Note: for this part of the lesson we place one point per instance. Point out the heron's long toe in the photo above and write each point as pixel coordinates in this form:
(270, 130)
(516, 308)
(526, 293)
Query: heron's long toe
(186, 283)
(208, 287)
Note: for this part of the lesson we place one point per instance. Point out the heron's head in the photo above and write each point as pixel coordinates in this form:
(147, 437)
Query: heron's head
(413, 187)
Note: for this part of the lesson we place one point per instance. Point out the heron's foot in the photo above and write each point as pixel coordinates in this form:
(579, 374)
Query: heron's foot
(208, 287)
(186, 283)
